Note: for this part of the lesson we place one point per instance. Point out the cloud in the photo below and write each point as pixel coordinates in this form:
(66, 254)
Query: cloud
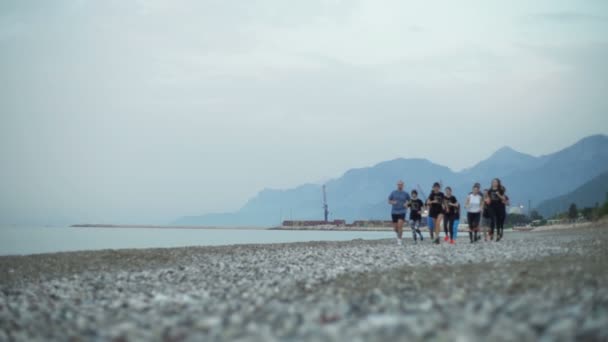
(570, 17)
(589, 56)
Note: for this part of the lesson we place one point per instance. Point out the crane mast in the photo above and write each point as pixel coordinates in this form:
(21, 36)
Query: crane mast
(325, 206)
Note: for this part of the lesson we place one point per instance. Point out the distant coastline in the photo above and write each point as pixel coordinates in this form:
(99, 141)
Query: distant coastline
(462, 228)
(334, 228)
(102, 225)
(319, 228)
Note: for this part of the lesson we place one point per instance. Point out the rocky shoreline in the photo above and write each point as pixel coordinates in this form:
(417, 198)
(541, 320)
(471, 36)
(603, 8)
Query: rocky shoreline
(531, 286)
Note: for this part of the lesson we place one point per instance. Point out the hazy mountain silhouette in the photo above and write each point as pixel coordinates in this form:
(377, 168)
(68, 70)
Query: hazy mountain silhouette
(560, 172)
(503, 162)
(588, 195)
(361, 193)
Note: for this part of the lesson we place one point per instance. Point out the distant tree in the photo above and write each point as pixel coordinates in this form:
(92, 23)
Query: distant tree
(534, 215)
(587, 213)
(602, 211)
(517, 219)
(572, 212)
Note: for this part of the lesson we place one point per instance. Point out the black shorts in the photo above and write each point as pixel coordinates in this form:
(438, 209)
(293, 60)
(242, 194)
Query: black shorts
(415, 217)
(486, 213)
(474, 219)
(434, 213)
(397, 217)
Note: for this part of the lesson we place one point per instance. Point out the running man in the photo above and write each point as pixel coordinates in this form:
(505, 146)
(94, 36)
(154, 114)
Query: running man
(398, 200)
(415, 205)
(435, 204)
(474, 206)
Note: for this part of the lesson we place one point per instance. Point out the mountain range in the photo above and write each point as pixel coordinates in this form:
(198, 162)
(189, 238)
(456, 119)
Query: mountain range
(590, 194)
(361, 193)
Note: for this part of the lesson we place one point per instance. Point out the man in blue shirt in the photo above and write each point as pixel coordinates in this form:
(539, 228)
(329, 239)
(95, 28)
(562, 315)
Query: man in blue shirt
(398, 199)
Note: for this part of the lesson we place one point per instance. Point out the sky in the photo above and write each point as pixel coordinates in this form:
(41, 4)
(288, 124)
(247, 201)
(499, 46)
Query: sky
(127, 111)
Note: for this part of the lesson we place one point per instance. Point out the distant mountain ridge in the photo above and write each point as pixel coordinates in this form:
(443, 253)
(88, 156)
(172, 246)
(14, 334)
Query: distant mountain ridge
(503, 162)
(588, 195)
(361, 193)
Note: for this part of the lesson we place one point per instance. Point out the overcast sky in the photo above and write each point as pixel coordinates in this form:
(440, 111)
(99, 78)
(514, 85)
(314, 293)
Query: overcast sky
(145, 111)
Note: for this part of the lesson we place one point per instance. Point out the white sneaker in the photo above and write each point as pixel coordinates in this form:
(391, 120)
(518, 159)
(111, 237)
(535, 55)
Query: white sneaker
(399, 242)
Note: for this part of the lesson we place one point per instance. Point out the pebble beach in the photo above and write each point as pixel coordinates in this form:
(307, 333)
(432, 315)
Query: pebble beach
(532, 286)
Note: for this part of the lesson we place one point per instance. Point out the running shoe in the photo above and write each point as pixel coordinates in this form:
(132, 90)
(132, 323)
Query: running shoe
(446, 239)
(452, 241)
(437, 241)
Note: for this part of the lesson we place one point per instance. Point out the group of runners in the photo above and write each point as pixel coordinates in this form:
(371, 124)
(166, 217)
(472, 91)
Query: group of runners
(486, 210)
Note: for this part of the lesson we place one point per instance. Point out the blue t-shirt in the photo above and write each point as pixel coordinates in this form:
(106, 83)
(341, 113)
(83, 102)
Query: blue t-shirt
(401, 197)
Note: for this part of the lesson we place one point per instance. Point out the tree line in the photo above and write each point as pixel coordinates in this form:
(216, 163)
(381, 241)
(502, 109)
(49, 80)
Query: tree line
(572, 214)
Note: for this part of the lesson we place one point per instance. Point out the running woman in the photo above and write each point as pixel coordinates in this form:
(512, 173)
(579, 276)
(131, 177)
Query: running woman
(498, 209)
(451, 209)
(474, 206)
(398, 199)
(415, 205)
(435, 204)
(486, 217)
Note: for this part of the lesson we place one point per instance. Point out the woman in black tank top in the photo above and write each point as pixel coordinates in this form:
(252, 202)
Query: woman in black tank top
(497, 208)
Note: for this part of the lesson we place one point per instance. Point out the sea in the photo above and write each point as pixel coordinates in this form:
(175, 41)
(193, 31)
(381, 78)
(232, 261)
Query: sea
(19, 240)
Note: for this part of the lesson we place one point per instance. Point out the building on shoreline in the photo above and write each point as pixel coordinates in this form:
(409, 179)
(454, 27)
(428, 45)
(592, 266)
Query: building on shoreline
(314, 223)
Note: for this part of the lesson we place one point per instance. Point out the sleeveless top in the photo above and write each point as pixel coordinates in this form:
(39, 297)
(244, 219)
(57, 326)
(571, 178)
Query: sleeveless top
(475, 203)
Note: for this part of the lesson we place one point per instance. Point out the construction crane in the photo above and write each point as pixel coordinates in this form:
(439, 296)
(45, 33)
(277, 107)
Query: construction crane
(325, 207)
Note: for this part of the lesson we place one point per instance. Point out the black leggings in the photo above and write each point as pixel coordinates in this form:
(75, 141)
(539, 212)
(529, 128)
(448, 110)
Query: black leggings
(498, 214)
(448, 226)
(416, 228)
(473, 219)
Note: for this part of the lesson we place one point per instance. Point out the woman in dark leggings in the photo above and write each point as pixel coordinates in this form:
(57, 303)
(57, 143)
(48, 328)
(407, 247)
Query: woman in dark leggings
(435, 204)
(474, 205)
(485, 215)
(450, 206)
(498, 209)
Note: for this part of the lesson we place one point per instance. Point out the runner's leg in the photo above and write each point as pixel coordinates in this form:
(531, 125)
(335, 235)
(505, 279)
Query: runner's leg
(472, 227)
(396, 227)
(400, 228)
(417, 225)
(476, 223)
(438, 223)
(434, 229)
(493, 224)
(501, 222)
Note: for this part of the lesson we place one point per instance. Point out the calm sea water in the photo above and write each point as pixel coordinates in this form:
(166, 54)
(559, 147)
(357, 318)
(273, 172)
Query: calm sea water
(32, 240)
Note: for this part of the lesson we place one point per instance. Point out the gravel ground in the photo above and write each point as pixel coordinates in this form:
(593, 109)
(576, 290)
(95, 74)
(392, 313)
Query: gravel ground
(547, 286)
